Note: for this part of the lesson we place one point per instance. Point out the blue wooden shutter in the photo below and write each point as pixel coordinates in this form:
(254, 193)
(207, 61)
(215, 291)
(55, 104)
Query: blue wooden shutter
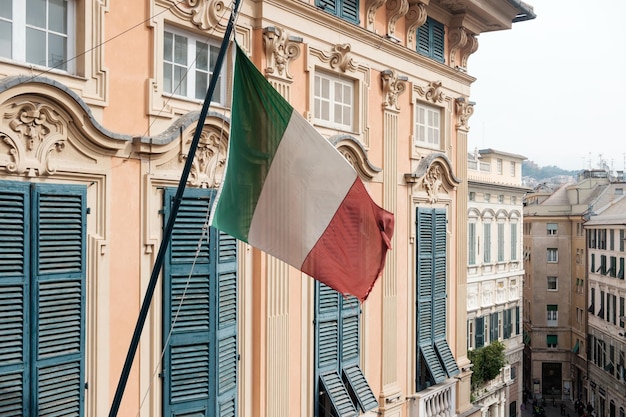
(423, 39)
(226, 317)
(425, 292)
(328, 351)
(58, 310)
(14, 301)
(493, 327)
(187, 382)
(517, 320)
(507, 323)
(329, 6)
(437, 41)
(350, 10)
(480, 332)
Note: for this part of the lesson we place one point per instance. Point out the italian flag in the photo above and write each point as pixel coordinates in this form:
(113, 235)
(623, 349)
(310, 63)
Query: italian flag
(289, 192)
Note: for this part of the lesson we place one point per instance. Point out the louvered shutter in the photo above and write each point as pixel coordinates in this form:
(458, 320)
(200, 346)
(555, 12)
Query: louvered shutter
(493, 327)
(437, 41)
(517, 320)
(328, 350)
(14, 301)
(226, 318)
(187, 381)
(329, 6)
(58, 309)
(480, 332)
(507, 323)
(425, 292)
(423, 39)
(350, 10)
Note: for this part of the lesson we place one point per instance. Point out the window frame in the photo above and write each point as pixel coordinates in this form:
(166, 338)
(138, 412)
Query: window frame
(192, 40)
(318, 99)
(552, 255)
(552, 341)
(18, 36)
(426, 127)
(556, 283)
(552, 315)
(552, 229)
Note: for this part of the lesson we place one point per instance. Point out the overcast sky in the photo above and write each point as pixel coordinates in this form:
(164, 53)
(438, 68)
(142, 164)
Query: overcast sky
(553, 89)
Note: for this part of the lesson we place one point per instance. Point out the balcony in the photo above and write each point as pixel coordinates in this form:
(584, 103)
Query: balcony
(436, 401)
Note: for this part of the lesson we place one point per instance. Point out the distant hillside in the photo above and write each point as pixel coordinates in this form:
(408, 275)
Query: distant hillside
(531, 169)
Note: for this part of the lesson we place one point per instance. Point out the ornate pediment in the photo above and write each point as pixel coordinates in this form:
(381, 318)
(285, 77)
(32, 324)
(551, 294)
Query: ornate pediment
(340, 57)
(433, 177)
(207, 169)
(205, 14)
(432, 92)
(355, 154)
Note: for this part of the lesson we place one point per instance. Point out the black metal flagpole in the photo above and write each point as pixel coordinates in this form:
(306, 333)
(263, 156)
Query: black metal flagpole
(167, 232)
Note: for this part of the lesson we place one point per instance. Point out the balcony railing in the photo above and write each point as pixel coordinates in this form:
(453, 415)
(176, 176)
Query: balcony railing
(436, 401)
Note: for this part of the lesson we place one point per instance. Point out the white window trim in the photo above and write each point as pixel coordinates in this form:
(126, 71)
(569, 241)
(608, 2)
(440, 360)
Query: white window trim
(190, 76)
(439, 128)
(556, 282)
(556, 255)
(18, 41)
(342, 81)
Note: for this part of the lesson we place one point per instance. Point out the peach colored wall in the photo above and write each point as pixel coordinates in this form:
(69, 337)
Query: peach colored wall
(126, 296)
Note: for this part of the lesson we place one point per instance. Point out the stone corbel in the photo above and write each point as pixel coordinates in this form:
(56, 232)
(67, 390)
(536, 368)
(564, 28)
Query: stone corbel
(205, 14)
(340, 57)
(464, 110)
(395, 10)
(457, 38)
(432, 92)
(280, 51)
(372, 8)
(470, 47)
(393, 86)
(415, 17)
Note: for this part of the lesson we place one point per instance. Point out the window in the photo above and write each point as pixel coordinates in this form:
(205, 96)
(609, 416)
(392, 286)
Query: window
(552, 284)
(472, 196)
(471, 247)
(42, 267)
(500, 242)
(512, 168)
(470, 334)
(487, 242)
(601, 311)
(499, 166)
(501, 198)
(552, 228)
(427, 125)
(612, 267)
(553, 255)
(602, 268)
(44, 36)
(187, 64)
(621, 240)
(601, 238)
(508, 323)
(340, 387)
(430, 40)
(513, 200)
(612, 239)
(514, 241)
(201, 359)
(435, 361)
(480, 332)
(487, 197)
(620, 273)
(592, 300)
(494, 327)
(593, 263)
(553, 314)
(333, 101)
(622, 318)
(345, 9)
(552, 340)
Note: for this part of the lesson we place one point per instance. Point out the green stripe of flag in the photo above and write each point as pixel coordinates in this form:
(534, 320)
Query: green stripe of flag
(259, 118)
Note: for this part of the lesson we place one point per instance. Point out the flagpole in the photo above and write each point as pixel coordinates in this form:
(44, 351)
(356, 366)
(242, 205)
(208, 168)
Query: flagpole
(169, 227)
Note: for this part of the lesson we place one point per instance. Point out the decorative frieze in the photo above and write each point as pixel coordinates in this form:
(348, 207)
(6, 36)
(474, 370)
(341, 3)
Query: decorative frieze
(205, 14)
(340, 57)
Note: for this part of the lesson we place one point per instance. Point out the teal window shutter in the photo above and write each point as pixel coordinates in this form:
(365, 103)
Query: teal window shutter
(430, 39)
(434, 351)
(345, 9)
(517, 319)
(338, 374)
(58, 310)
(14, 300)
(480, 332)
(42, 293)
(199, 312)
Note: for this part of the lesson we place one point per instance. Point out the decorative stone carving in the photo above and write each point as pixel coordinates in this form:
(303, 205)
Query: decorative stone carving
(393, 86)
(280, 50)
(356, 155)
(457, 38)
(205, 14)
(415, 17)
(464, 110)
(432, 92)
(470, 47)
(434, 177)
(372, 8)
(395, 10)
(207, 169)
(340, 57)
(432, 183)
(38, 132)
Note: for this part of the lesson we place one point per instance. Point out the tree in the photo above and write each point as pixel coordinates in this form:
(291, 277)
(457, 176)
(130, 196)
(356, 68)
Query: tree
(488, 361)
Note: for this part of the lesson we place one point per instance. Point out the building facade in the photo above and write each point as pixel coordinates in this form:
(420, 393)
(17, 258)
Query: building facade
(495, 273)
(99, 102)
(606, 334)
